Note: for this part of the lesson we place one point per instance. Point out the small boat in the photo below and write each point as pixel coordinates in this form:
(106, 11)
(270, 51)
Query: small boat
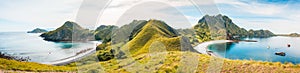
(280, 53)
(210, 51)
(289, 45)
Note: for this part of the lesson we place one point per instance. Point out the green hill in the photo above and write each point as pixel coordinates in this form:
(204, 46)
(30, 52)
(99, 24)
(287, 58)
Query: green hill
(137, 40)
(121, 35)
(37, 30)
(104, 32)
(69, 31)
(155, 31)
(222, 27)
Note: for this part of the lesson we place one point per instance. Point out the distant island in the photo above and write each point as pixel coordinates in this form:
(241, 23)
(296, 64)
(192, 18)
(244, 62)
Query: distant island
(37, 30)
(71, 31)
(289, 35)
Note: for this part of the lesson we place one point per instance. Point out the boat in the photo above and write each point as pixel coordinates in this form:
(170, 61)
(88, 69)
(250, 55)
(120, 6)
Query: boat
(289, 45)
(280, 53)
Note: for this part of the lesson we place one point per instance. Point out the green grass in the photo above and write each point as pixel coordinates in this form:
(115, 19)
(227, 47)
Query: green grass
(176, 61)
(32, 66)
(153, 31)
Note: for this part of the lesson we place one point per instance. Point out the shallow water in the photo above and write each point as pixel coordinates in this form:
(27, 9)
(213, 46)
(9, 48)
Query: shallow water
(38, 50)
(263, 50)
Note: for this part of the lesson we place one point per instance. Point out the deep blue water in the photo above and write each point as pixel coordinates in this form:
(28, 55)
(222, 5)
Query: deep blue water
(38, 50)
(260, 50)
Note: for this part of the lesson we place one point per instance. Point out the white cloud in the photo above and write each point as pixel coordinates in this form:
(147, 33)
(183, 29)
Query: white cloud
(279, 18)
(38, 13)
(54, 13)
(117, 8)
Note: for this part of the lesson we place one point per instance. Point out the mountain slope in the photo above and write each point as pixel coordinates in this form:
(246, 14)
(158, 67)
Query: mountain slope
(104, 32)
(222, 27)
(70, 31)
(122, 34)
(156, 32)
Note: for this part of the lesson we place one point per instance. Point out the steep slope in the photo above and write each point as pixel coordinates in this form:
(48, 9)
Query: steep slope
(221, 27)
(156, 32)
(104, 32)
(37, 30)
(70, 31)
(122, 34)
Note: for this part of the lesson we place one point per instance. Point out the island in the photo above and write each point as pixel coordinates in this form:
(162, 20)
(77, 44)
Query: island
(37, 30)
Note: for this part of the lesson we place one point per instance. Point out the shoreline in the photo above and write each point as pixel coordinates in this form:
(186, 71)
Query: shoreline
(203, 47)
(73, 58)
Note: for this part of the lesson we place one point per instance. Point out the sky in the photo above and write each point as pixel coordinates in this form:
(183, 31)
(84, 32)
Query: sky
(278, 16)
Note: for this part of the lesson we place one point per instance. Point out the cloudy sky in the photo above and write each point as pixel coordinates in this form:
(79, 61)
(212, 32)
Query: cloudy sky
(280, 16)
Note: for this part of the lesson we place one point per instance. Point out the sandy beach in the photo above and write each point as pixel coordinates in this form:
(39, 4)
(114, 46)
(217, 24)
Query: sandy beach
(72, 58)
(203, 47)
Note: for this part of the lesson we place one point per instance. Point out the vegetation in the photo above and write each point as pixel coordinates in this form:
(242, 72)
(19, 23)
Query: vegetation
(154, 31)
(10, 57)
(105, 52)
(121, 35)
(222, 27)
(32, 66)
(37, 30)
(178, 61)
(65, 33)
(202, 32)
(260, 33)
(104, 32)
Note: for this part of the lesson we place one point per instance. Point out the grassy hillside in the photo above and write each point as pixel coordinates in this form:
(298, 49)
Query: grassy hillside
(32, 66)
(154, 31)
(104, 32)
(122, 34)
(179, 61)
(222, 27)
(65, 33)
(161, 62)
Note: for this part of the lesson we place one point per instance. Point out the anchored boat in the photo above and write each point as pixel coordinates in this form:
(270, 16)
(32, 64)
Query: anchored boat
(280, 53)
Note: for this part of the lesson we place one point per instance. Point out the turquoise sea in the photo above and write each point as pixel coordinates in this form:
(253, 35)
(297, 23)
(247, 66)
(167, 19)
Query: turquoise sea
(38, 50)
(263, 50)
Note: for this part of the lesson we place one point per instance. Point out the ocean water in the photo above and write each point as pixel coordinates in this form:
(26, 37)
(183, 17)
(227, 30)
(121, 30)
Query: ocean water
(263, 50)
(38, 50)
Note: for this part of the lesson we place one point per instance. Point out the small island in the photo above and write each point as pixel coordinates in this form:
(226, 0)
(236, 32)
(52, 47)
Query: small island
(37, 30)
(290, 35)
